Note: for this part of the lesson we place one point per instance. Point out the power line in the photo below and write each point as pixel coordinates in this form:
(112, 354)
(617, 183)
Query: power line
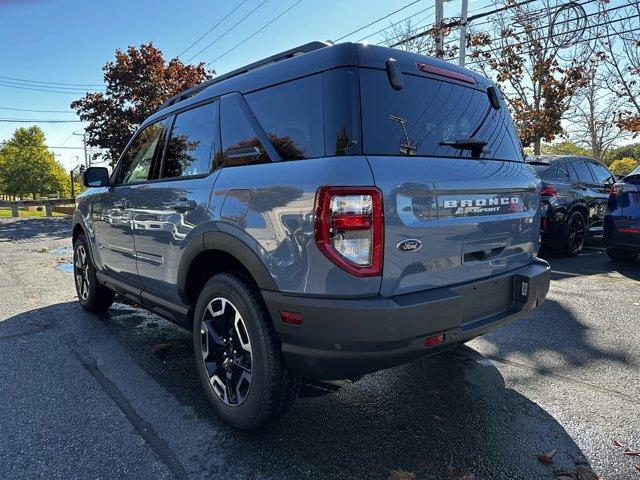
(22, 87)
(212, 28)
(226, 31)
(74, 148)
(398, 22)
(598, 37)
(22, 120)
(376, 21)
(53, 83)
(517, 44)
(255, 33)
(36, 111)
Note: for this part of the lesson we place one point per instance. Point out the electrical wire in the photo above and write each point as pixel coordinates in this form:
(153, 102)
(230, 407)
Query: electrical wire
(22, 87)
(22, 120)
(376, 21)
(398, 22)
(35, 111)
(256, 32)
(226, 31)
(212, 28)
(53, 83)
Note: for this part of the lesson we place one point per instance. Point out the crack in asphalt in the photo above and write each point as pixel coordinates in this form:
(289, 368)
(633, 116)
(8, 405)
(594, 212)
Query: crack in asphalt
(541, 371)
(33, 331)
(141, 426)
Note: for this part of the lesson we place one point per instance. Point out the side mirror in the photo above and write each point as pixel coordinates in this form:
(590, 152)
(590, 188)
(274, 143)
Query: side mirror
(95, 177)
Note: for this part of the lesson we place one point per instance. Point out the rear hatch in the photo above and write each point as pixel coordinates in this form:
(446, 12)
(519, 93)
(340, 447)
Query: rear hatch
(454, 212)
(624, 200)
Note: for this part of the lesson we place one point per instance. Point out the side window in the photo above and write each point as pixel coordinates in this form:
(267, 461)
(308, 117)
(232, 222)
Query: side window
(562, 173)
(291, 116)
(240, 144)
(601, 175)
(582, 169)
(192, 143)
(136, 163)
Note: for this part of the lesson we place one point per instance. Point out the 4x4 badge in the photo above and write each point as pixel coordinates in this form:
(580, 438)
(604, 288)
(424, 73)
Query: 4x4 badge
(409, 245)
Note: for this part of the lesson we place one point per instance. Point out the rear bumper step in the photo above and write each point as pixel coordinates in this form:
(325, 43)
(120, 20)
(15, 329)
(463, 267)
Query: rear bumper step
(343, 338)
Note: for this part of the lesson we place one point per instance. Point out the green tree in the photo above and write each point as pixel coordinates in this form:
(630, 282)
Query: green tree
(137, 83)
(28, 168)
(566, 147)
(631, 151)
(624, 166)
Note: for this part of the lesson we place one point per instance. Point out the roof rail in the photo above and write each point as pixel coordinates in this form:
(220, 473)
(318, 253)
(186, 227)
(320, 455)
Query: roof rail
(293, 52)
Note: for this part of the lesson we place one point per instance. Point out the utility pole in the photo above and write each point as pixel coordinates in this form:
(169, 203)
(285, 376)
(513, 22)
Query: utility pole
(438, 26)
(463, 32)
(87, 160)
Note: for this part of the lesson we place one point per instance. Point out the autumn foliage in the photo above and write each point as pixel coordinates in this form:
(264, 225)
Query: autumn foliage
(137, 82)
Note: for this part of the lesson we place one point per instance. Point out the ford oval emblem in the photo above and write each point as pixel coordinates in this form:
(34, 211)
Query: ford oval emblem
(409, 245)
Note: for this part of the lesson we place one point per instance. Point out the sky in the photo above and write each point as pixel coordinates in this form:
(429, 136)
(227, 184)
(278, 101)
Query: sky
(69, 41)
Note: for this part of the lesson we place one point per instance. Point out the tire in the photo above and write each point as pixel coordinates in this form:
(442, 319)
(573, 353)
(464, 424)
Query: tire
(92, 295)
(571, 239)
(240, 365)
(621, 255)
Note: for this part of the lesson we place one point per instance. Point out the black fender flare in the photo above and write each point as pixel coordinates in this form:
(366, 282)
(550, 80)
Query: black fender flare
(230, 244)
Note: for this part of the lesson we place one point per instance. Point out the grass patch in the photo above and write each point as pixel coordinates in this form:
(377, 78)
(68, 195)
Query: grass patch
(6, 213)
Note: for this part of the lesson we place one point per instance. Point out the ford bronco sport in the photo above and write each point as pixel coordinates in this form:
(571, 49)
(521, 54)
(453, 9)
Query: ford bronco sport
(329, 211)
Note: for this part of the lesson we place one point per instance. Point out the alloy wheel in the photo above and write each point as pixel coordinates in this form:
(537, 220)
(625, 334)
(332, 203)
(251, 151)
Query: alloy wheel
(226, 351)
(81, 270)
(576, 234)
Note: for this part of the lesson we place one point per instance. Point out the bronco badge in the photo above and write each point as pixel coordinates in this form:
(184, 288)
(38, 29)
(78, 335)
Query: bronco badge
(409, 245)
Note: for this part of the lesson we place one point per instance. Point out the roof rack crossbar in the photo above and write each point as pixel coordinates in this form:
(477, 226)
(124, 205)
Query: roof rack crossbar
(306, 48)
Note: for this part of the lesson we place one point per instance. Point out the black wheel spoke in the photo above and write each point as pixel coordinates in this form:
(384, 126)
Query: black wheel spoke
(226, 351)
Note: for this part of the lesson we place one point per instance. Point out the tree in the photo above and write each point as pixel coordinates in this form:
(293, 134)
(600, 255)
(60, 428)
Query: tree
(28, 168)
(631, 150)
(137, 83)
(622, 60)
(592, 117)
(566, 147)
(524, 60)
(623, 167)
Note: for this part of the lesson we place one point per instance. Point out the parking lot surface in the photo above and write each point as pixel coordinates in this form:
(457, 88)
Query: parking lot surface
(116, 395)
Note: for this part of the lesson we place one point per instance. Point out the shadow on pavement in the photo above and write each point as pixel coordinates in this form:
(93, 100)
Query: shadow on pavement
(29, 229)
(592, 261)
(446, 415)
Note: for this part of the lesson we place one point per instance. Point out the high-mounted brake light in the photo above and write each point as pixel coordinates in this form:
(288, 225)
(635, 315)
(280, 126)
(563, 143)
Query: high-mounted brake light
(348, 228)
(548, 191)
(444, 72)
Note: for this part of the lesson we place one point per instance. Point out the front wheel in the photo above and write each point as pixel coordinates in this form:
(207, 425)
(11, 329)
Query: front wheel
(621, 255)
(92, 295)
(238, 355)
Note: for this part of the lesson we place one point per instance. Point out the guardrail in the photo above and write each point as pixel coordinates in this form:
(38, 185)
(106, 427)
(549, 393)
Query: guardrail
(47, 203)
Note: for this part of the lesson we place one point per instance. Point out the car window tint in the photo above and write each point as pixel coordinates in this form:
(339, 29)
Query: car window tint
(240, 144)
(601, 175)
(427, 115)
(192, 143)
(136, 163)
(291, 116)
(583, 172)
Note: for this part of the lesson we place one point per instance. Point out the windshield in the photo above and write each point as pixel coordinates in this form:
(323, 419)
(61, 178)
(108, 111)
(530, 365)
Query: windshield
(426, 114)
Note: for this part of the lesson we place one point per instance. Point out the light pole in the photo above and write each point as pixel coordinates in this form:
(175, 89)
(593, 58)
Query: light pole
(87, 161)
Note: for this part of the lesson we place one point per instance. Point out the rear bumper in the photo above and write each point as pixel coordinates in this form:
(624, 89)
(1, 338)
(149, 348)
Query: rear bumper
(343, 338)
(622, 232)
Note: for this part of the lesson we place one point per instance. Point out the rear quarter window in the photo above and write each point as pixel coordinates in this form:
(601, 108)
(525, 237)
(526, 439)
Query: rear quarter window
(291, 116)
(425, 112)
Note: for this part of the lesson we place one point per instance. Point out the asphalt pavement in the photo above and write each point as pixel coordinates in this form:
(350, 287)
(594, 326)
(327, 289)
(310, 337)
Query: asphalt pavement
(116, 395)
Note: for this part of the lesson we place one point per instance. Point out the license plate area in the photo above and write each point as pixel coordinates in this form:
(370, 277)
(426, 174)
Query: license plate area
(486, 299)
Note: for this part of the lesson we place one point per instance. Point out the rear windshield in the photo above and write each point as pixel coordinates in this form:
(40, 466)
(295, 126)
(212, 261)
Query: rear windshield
(426, 112)
(540, 168)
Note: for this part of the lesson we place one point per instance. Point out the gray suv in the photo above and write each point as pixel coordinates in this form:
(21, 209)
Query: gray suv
(326, 212)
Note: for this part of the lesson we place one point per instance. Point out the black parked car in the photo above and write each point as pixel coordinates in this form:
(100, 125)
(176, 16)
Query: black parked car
(622, 220)
(574, 196)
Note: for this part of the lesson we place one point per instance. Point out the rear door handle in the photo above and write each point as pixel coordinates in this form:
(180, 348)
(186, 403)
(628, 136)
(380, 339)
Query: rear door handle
(183, 205)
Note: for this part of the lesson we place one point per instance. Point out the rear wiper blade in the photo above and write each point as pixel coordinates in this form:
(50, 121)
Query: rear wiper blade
(476, 145)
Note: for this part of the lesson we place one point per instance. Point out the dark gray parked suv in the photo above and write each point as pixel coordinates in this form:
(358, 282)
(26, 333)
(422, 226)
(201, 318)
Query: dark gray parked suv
(328, 211)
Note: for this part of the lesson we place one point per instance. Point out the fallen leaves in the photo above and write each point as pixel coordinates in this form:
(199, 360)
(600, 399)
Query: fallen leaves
(434, 392)
(547, 457)
(158, 347)
(401, 475)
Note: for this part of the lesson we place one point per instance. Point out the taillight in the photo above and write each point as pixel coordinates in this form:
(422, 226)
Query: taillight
(616, 189)
(548, 190)
(348, 228)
